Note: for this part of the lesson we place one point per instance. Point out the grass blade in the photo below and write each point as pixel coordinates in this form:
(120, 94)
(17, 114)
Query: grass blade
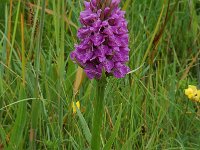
(2, 136)
(115, 131)
(20, 122)
(86, 130)
(36, 105)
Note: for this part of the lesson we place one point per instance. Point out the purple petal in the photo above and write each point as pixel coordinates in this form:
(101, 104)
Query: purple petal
(115, 2)
(101, 51)
(115, 49)
(114, 41)
(106, 11)
(120, 70)
(108, 31)
(90, 73)
(121, 56)
(73, 55)
(93, 71)
(94, 3)
(87, 17)
(87, 5)
(108, 65)
(83, 33)
(96, 25)
(105, 23)
(97, 39)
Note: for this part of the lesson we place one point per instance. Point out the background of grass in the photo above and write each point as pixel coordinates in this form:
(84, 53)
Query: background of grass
(37, 77)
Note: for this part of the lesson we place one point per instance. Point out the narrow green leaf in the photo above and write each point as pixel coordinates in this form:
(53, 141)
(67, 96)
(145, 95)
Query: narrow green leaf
(86, 130)
(115, 132)
(20, 122)
(129, 140)
(14, 31)
(2, 135)
(154, 34)
(74, 143)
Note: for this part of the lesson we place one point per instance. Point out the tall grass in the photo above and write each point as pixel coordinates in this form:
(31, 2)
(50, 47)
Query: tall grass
(39, 82)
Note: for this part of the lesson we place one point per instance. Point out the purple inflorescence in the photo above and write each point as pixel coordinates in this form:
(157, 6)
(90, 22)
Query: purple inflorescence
(103, 40)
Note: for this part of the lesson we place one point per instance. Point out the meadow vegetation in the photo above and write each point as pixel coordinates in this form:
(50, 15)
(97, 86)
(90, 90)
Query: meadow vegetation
(39, 81)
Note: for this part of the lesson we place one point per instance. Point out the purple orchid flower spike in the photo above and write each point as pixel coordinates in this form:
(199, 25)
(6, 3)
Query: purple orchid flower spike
(115, 2)
(104, 40)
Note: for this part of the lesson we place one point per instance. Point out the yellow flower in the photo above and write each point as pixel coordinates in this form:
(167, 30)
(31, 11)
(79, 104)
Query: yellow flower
(192, 93)
(197, 96)
(78, 105)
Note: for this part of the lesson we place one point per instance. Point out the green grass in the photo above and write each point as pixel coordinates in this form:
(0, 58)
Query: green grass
(148, 106)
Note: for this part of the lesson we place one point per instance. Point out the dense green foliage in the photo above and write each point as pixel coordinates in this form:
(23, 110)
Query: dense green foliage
(36, 80)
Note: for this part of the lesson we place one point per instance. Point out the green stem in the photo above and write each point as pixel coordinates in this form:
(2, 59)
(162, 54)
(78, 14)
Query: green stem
(36, 104)
(98, 114)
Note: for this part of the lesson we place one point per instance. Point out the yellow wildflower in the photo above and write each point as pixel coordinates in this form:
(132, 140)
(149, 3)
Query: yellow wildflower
(197, 96)
(78, 105)
(192, 93)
